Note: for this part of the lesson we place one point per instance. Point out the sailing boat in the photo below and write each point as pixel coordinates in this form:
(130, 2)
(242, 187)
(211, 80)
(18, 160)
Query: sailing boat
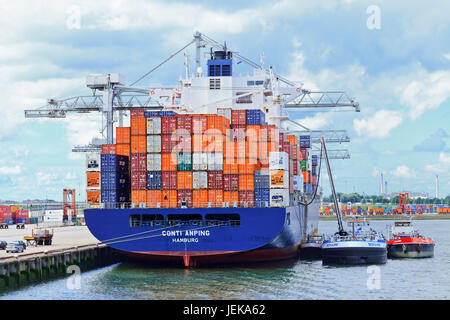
(362, 245)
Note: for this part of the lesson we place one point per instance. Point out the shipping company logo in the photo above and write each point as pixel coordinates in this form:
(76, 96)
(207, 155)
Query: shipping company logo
(374, 20)
(73, 20)
(374, 280)
(74, 281)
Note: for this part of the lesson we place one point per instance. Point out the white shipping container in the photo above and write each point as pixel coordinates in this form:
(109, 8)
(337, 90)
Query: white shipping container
(153, 162)
(279, 179)
(154, 125)
(93, 162)
(215, 161)
(279, 197)
(278, 161)
(224, 112)
(154, 143)
(298, 183)
(199, 161)
(200, 180)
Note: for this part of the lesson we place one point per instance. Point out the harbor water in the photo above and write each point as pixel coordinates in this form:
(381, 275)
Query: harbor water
(287, 280)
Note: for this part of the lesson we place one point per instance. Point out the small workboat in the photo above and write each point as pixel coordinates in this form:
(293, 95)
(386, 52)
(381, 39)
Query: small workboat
(406, 242)
(361, 245)
(312, 247)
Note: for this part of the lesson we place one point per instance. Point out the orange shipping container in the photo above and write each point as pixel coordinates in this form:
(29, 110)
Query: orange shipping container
(184, 180)
(93, 179)
(123, 135)
(169, 198)
(93, 197)
(232, 197)
(200, 198)
(253, 133)
(139, 144)
(15, 209)
(153, 198)
(215, 197)
(169, 161)
(247, 166)
(123, 149)
(138, 196)
(246, 182)
(292, 139)
(138, 126)
(199, 143)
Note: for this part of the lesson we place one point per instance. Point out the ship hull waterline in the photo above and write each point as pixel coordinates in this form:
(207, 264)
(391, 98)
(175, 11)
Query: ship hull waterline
(412, 249)
(262, 234)
(354, 253)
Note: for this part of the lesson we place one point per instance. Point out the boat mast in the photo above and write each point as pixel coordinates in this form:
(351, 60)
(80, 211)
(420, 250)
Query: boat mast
(338, 213)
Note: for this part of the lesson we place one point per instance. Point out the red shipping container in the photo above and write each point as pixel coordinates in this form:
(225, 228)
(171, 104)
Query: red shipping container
(184, 124)
(246, 199)
(215, 180)
(138, 162)
(108, 149)
(238, 133)
(238, 117)
(303, 154)
(138, 180)
(199, 123)
(291, 184)
(137, 113)
(168, 143)
(169, 180)
(231, 182)
(182, 143)
(22, 214)
(168, 125)
(295, 168)
(184, 197)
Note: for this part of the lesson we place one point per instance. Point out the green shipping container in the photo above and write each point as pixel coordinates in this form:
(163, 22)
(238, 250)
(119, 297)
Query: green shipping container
(184, 162)
(303, 165)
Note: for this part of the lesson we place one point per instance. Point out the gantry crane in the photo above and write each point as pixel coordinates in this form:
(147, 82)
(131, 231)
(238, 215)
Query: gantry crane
(116, 97)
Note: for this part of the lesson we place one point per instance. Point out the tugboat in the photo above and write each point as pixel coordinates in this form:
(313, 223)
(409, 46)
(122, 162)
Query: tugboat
(312, 247)
(406, 242)
(362, 246)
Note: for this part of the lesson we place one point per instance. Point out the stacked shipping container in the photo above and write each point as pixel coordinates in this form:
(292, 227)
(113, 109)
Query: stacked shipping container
(207, 160)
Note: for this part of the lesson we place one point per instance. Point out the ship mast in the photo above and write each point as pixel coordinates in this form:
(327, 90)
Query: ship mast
(336, 204)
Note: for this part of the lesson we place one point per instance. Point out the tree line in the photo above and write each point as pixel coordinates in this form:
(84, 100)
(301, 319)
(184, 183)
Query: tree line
(372, 199)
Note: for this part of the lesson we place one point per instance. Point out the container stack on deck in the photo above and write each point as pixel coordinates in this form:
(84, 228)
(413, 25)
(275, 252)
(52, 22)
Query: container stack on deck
(93, 179)
(233, 158)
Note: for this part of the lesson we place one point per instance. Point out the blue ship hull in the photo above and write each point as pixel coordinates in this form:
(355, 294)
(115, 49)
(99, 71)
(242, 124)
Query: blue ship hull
(206, 236)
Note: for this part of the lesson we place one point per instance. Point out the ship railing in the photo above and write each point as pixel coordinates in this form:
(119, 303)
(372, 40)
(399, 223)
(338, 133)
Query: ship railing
(165, 205)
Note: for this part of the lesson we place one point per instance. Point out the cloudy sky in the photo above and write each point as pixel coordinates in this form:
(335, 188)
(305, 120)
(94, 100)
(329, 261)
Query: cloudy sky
(393, 58)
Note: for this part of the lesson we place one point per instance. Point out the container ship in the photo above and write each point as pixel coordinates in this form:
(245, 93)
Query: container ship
(210, 178)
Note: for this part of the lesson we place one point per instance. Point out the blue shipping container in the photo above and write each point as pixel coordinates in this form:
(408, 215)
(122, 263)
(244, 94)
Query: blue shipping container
(115, 181)
(112, 196)
(262, 198)
(262, 180)
(314, 160)
(114, 162)
(305, 142)
(254, 116)
(154, 180)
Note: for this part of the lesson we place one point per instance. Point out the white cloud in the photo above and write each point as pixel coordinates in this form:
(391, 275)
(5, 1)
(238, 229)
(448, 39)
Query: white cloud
(447, 56)
(379, 125)
(10, 170)
(403, 171)
(45, 179)
(427, 91)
